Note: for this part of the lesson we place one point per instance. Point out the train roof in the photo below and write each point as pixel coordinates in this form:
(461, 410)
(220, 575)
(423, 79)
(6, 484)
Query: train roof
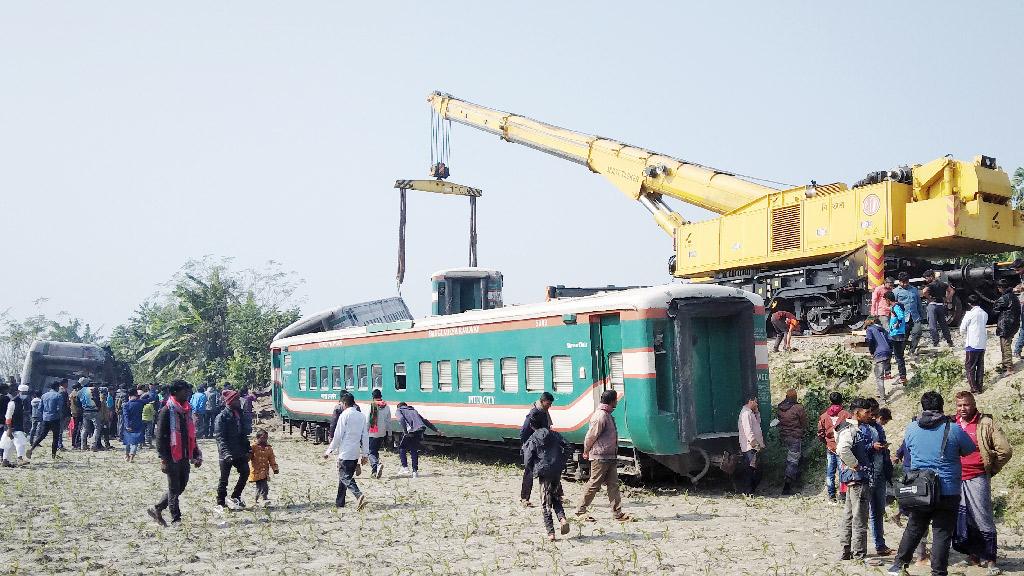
(634, 299)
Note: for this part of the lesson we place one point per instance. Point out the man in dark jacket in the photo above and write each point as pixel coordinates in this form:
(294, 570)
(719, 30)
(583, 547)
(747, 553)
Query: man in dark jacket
(792, 427)
(1008, 309)
(544, 453)
(177, 448)
(229, 429)
(539, 409)
(853, 446)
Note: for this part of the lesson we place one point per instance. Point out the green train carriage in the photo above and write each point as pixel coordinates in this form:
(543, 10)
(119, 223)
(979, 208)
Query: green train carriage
(681, 356)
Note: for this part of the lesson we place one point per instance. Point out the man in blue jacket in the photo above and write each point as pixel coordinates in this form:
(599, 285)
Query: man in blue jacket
(53, 408)
(880, 347)
(923, 440)
(198, 403)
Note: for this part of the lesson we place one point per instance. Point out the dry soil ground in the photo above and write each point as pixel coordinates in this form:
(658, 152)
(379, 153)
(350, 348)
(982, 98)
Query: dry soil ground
(85, 514)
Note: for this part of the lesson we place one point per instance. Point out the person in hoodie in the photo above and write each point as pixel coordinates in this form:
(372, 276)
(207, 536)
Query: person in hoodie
(133, 432)
(827, 421)
(1007, 308)
(973, 328)
(899, 320)
(231, 434)
(544, 453)
(413, 428)
(924, 443)
(853, 446)
(540, 409)
(378, 425)
(881, 351)
(792, 426)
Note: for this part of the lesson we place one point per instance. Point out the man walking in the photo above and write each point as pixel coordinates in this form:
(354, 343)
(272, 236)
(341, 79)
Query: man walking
(751, 444)
(853, 446)
(910, 297)
(792, 426)
(53, 409)
(975, 527)
(378, 425)
(972, 327)
(213, 407)
(881, 352)
(92, 421)
(601, 447)
(15, 435)
(934, 444)
(897, 329)
(233, 449)
(1007, 307)
(76, 417)
(177, 448)
(940, 296)
(539, 409)
(351, 442)
(827, 421)
(413, 427)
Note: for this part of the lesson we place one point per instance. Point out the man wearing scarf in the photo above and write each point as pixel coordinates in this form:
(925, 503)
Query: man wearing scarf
(231, 431)
(176, 446)
(377, 427)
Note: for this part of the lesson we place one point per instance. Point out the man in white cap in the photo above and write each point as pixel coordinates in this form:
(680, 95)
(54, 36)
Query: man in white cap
(15, 437)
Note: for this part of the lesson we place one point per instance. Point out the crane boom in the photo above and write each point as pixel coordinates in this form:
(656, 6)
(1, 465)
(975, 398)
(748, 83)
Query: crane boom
(640, 174)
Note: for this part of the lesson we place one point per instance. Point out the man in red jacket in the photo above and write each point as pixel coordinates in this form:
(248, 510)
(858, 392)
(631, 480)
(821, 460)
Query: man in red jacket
(827, 422)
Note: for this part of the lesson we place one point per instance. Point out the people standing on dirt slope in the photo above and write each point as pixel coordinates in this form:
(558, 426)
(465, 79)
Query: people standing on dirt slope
(378, 425)
(827, 422)
(853, 446)
(51, 407)
(541, 407)
(881, 475)
(792, 427)
(15, 436)
(910, 297)
(133, 431)
(934, 444)
(922, 552)
(601, 447)
(213, 407)
(881, 352)
(413, 427)
(784, 323)
(1007, 307)
(940, 297)
(751, 443)
(262, 461)
(975, 334)
(544, 454)
(198, 404)
(976, 527)
(880, 305)
(351, 442)
(229, 430)
(177, 448)
(897, 329)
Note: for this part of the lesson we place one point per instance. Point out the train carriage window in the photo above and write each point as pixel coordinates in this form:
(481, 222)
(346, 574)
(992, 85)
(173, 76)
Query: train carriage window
(335, 378)
(561, 373)
(312, 379)
(485, 368)
(534, 373)
(376, 377)
(350, 377)
(509, 375)
(287, 360)
(324, 383)
(362, 375)
(302, 379)
(615, 378)
(426, 376)
(400, 376)
(465, 376)
(444, 375)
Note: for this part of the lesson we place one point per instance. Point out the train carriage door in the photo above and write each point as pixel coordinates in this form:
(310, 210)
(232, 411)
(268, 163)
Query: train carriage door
(276, 378)
(717, 374)
(608, 363)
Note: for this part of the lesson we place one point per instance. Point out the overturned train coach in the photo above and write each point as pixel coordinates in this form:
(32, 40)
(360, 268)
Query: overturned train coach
(681, 356)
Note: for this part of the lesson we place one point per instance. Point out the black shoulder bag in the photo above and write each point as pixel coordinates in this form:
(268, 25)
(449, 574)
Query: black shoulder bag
(919, 489)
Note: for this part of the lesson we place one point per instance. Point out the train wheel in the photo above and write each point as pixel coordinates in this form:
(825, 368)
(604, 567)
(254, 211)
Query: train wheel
(819, 320)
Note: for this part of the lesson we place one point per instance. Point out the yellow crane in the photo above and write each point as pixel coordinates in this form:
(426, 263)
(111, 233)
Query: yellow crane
(815, 249)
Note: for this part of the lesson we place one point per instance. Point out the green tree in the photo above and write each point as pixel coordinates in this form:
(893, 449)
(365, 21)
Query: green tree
(1017, 182)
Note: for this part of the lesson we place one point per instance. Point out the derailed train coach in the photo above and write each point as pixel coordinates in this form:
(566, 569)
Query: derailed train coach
(48, 361)
(682, 358)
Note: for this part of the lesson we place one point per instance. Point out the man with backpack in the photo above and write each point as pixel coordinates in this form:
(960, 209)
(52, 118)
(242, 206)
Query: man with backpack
(935, 445)
(853, 446)
(898, 322)
(544, 455)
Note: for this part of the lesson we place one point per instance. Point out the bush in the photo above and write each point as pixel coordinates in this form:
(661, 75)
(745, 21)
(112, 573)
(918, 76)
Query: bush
(838, 363)
(941, 374)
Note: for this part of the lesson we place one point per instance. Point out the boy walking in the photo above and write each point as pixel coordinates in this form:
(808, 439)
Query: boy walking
(263, 461)
(544, 455)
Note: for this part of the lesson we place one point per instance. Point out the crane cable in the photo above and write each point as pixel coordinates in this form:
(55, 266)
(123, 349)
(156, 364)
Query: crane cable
(400, 276)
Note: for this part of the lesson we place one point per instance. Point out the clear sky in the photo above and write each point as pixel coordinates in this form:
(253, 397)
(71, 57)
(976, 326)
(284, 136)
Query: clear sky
(136, 135)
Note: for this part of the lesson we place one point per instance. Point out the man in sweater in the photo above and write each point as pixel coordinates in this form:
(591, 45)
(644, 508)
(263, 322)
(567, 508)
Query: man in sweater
(976, 528)
(751, 443)
(601, 447)
(52, 404)
(827, 422)
(351, 442)
(792, 426)
(540, 409)
(177, 448)
(972, 327)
